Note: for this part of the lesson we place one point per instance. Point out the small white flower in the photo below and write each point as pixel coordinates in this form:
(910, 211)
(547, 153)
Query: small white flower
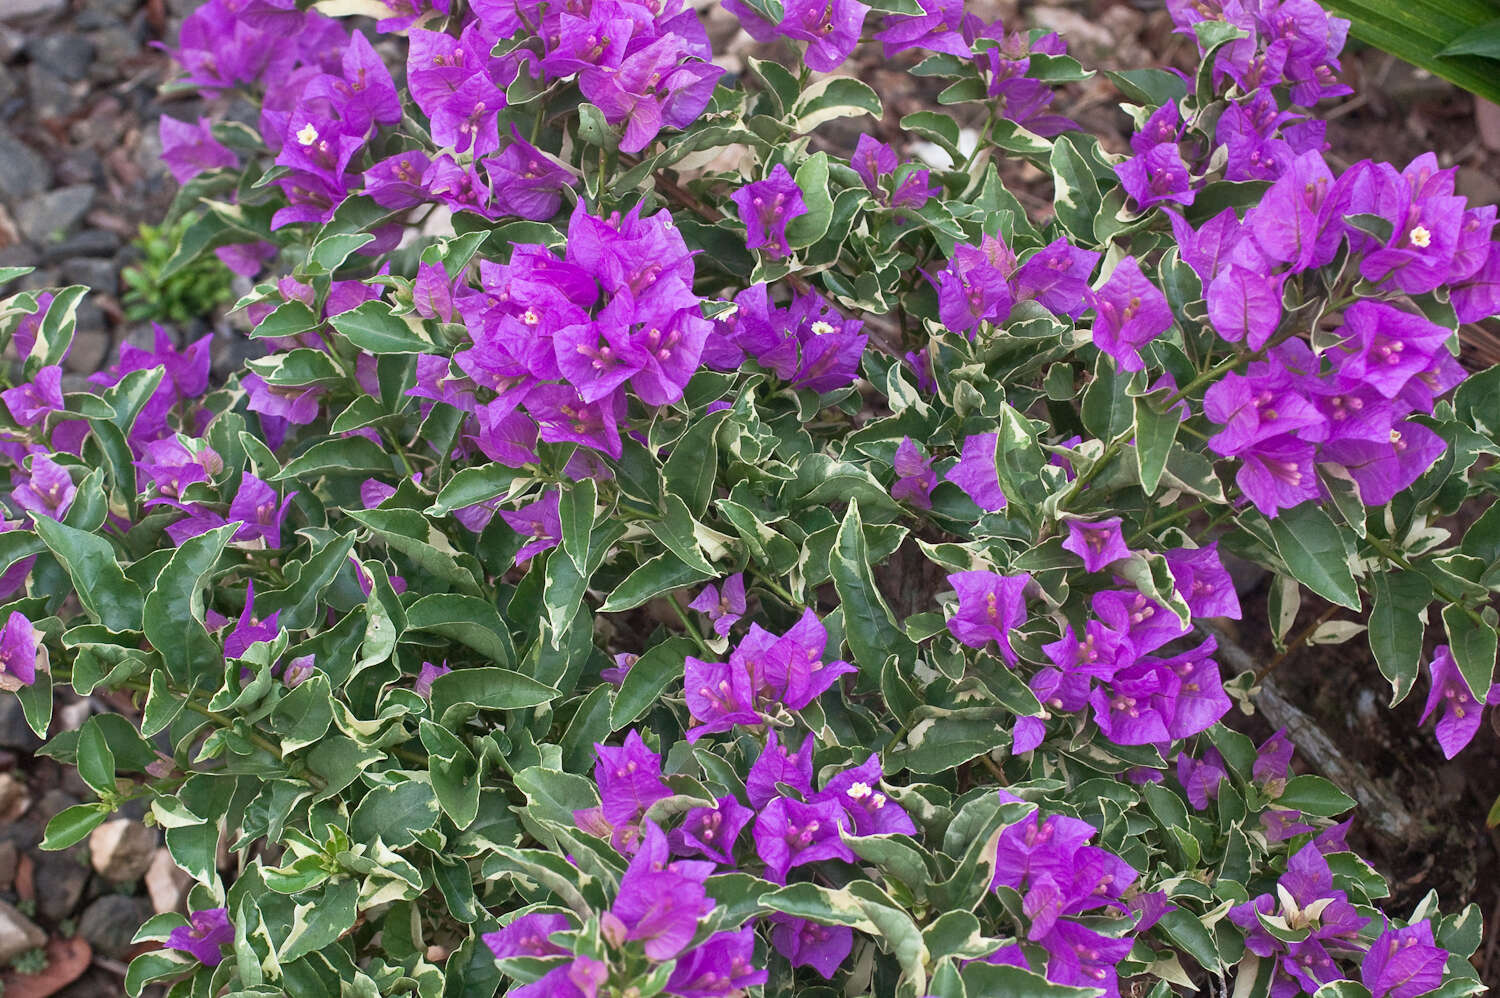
(308, 135)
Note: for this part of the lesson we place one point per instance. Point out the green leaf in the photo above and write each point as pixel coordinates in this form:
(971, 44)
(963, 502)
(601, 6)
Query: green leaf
(91, 563)
(982, 978)
(472, 485)
(174, 622)
(869, 626)
(897, 856)
(454, 772)
(96, 763)
(576, 510)
(1188, 932)
(1419, 30)
(690, 468)
(329, 253)
(812, 179)
(1076, 197)
(488, 689)
(1483, 40)
(302, 875)
(455, 252)
(819, 904)
(72, 825)
(946, 740)
(658, 575)
(648, 679)
(409, 532)
(1155, 432)
(677, 530)
(298, 602)
(594, 128)
(55, 334)
(344, 456)
(373, 328)
(562, 593)
(36, 703)
(154, 966)
(321, 921)
(1473, 645)
(339, 760)
(1397, 626)
(298, 367)
(395, 812)
(365, 410)
(303, 715)
(1150, 87)
(1315, 551)
(1107, 409)
(467, 619)
(590, 724)
(835, 97)
(1315, 795)
(937, 128)
(162, 706)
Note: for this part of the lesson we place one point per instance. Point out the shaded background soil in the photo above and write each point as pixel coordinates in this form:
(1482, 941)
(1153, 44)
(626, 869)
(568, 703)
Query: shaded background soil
(79, 172)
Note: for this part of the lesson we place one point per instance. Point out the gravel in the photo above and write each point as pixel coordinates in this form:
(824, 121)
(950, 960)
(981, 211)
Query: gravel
(20, 10)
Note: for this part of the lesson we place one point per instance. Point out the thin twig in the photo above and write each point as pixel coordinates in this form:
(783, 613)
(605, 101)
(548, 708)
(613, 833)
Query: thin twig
(993, 768)
(1296, 642)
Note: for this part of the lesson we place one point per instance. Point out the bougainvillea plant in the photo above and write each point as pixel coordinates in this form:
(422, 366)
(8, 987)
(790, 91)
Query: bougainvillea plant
(657, 550)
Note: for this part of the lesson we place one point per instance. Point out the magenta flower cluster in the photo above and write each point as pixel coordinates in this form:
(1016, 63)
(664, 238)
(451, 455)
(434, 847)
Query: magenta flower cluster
(765, 676)
(788, 831)
(1049, 862)
(1136, 697)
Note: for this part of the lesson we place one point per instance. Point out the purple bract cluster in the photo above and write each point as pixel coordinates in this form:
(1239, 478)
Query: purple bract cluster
(1136, 698)
(806, 343)
(765, 675)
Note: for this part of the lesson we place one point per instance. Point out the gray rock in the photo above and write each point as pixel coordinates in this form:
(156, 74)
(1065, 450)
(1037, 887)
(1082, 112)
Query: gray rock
(67, 55)
(10, 859)
(98, 274)
(50, 95)
(24, 172)
(89, 242)
(16, 255)
(51, 217)
(60, 880)
(228, 352)
(17, 933)
(39, 279)
(15, 733)
(17, 10)
(8, 85)
(109, 923)
(114, 39)
(166, 883)
(90, 350)
(12, 42)
(81, 165)
(53, 803)
(121, 850)
(14, 797)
